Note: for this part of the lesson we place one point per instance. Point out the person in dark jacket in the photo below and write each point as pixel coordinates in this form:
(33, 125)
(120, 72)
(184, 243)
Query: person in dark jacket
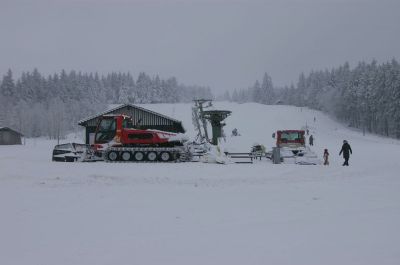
(326, 157)
(346, 150)
(311, 140)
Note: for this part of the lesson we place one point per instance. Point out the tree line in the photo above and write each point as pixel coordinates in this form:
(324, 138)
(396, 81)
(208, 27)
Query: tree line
(39, 105)
(263, 93)
(366, 97)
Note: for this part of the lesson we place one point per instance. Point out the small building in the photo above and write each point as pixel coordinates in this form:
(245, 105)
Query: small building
(9, 136)
(146, 119)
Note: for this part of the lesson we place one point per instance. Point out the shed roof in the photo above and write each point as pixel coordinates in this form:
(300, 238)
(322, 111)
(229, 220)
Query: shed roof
(9, 129)
(84, 121)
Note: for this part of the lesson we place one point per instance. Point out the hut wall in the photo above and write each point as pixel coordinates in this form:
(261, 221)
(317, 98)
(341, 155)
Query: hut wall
(9, 138)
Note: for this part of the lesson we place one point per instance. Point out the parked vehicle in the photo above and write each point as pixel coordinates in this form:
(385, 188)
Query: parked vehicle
(117, 139)
(69, 152)
(293, 139)
(292, 148)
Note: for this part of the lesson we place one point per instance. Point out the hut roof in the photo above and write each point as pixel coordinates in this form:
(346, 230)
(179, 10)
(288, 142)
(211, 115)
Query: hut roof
(84, 121)
(9, 129)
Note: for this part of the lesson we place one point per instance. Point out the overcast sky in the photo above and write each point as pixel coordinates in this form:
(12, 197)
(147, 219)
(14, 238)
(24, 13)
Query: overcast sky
(222, 44)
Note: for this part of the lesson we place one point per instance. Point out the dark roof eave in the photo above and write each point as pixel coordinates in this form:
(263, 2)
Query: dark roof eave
(84, 121)
(9, 129)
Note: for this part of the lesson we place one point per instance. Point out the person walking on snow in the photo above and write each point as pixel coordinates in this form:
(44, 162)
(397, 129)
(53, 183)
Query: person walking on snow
(326, 156)
(311, 140)
(235, 132)
(346, 150)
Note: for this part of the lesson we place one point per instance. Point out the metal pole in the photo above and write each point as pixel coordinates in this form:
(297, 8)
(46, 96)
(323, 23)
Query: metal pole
(276, 155)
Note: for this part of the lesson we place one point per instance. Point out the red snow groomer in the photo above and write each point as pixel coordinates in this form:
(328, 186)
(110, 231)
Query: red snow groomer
(293, 149)
(117, 139)
(290, 138)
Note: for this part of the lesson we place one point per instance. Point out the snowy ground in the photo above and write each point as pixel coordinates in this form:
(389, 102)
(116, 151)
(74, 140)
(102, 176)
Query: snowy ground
(192, 213)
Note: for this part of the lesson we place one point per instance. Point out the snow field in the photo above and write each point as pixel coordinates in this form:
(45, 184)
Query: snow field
(193, 213)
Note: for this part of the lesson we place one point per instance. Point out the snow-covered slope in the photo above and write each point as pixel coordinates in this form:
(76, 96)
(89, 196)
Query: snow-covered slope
(192, 213)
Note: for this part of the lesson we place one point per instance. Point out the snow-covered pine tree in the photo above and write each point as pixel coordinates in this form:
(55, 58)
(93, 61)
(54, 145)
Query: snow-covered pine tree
(267, 90)
(7, 98)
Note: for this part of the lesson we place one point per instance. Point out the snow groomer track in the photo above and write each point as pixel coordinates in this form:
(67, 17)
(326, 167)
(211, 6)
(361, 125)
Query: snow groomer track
(145, 155)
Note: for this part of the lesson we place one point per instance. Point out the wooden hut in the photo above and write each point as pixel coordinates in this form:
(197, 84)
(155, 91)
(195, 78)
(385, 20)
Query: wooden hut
(146, 118)
(9, 136)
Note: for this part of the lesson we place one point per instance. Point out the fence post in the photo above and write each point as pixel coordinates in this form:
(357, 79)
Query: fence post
(276, 155)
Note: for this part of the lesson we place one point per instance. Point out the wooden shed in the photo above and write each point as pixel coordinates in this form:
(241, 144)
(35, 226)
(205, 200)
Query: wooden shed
(9, 136)
(147, 119)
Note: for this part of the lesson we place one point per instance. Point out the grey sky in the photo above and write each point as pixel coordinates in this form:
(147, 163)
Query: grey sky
(223, 44)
